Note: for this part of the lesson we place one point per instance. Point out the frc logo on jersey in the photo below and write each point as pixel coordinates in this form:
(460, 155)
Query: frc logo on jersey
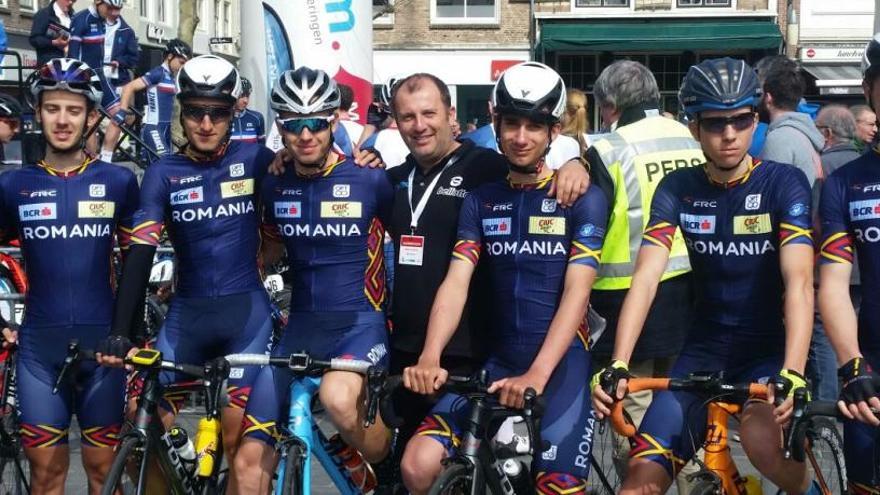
(864, 210)
(496, 226)
(288, 209)
(188, 196)
(37, 211)
(698, 224)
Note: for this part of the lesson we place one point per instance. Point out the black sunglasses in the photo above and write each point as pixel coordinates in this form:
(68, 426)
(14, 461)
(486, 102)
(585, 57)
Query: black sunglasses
(313, 124)
(197, 113)
(716, 125)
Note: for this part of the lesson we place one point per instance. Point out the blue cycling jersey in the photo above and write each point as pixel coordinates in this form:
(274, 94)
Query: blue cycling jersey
(850, 213)
(733, 233)
(527, 242)
(213, 218)
(66, 224)
(249, 126)
(333, 226)
(87, 30)
(160, 95)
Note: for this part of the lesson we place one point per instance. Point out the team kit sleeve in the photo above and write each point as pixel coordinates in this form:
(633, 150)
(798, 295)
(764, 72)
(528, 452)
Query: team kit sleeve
(837, 240)
(468, 240)
(153, 76)
(268, 225)
(127, 210)
(77, 28)
(261, 128)
(150, 215)
(588, 232)
(664, 218)
(793, 210)
(8, 213)
(384, 196)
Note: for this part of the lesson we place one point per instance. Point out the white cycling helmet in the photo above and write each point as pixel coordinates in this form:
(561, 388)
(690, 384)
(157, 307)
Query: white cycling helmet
(114, 3)
(305, 91)
(387, 90)
(209, 76)
(530, 89)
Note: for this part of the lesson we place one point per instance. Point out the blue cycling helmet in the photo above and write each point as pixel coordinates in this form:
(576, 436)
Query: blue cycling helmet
(67, 74)
(719, 84)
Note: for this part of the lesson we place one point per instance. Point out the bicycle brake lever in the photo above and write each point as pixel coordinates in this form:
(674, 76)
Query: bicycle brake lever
(375, 379)
(72, 356)
(788, 435)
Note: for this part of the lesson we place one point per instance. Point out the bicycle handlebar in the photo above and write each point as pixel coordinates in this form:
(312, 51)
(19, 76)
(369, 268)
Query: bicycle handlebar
(300, 362)
(705, 384)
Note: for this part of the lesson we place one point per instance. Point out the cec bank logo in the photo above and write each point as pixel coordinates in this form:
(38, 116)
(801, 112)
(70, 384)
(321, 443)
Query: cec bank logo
(288, 209)
(547, 225)
(340, 209)
(698, 224)
(752, 224)
(231, 189)
(96, 209)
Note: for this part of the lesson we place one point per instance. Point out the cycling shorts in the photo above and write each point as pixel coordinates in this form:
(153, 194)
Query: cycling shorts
(95, 394)
(109, 98)
(198, 329)
(567, 425)
(675, 422)
(326, 335)
(157, 137)
(861, 448)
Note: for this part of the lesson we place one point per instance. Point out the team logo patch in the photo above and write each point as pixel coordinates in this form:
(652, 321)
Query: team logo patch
(589, 229)
(341, 190)
(797, 209)
(236, 188)
(37, 211)
(548, 205)
(496, 226)
(96, 209)
(236, 170)
(697, 224)
(41, 193)
(188, 180)
(97, 190)
(340, 209)
(456, 181)
(188, 196)
(288, 209)
(753, 202)
(752, 224)
(864, 210)
(291, 192)
(547, 225)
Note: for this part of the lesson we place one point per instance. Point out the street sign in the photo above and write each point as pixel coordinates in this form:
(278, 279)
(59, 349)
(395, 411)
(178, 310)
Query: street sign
(220, 41)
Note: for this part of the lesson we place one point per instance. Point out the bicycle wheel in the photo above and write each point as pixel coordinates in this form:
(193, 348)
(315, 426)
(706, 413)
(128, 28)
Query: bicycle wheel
(293, 471)
(118, 476)
(825, 456)
(603, 478)
(704, 487)
(455, 479)
(14, 468)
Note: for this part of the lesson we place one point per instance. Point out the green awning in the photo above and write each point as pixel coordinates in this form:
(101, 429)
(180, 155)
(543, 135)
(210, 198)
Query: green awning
(657, 35)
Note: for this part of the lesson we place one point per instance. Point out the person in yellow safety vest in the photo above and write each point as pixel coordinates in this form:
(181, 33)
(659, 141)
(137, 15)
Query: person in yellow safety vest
(627, 164)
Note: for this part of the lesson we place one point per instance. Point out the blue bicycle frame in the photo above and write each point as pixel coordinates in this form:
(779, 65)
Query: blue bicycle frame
(305, 432)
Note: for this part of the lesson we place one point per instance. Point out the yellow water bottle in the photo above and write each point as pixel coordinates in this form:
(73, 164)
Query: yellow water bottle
(753, 485)
(207, 439)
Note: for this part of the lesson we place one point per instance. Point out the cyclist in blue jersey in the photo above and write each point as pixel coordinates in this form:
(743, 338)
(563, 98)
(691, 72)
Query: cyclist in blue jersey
(159, 83)
(67, 210)
(850, 222)
(746, 224)
(247, 125)
(10, 121)
(207, 197)
(330, 215)
(541, 261)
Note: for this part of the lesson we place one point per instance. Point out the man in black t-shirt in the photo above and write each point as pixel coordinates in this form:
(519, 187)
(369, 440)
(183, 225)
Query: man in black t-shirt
(430, 187)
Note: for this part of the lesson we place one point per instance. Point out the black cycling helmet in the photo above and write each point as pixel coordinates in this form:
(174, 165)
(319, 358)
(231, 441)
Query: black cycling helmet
(245, 87)
(10, 108)
(531, 89)
(719, 84)
(209, 76)
(178, 48)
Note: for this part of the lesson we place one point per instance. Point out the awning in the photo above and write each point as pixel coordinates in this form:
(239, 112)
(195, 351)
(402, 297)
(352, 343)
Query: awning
(835, 75)
(660, 35)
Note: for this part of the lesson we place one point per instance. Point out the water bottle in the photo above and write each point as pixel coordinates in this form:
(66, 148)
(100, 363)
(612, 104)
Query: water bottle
(518, 476)
(207, 438)
(182, 445)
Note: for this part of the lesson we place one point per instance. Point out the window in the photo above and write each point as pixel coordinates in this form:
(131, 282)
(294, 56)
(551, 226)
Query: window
(601, 3)
(218, 20)
(383, 12)
(143, 8)
(27, 5)
(161, 12)
(704, 3)
(465, 11)
(4, 3)
(227, 19)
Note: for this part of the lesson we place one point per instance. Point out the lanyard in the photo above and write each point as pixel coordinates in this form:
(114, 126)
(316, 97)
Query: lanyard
(420, 208)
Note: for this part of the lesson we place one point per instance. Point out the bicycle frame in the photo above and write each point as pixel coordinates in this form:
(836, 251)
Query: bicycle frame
(487, 470)
(304, 431)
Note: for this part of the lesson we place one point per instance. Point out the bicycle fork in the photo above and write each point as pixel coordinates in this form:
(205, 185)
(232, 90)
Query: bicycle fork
(479, 454)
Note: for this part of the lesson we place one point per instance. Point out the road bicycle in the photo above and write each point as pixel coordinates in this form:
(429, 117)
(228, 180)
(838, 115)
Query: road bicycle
(14, 468)
(819, 438)
(147, 437)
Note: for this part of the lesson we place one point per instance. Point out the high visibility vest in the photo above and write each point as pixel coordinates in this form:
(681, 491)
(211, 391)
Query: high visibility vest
(637, 157)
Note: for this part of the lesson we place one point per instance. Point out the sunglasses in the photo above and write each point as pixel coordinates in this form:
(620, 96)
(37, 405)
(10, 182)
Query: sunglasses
(716, 125)
(216, 114)
(313, 124)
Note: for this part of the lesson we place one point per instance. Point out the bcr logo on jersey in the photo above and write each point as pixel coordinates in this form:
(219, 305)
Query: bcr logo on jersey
(235, 188)
(340, 209)
(496, 226)
(547, 225)
(37, 211)
(288, 209)
(697, 224)
(96, 209)
(864, 210)
(188, 196)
